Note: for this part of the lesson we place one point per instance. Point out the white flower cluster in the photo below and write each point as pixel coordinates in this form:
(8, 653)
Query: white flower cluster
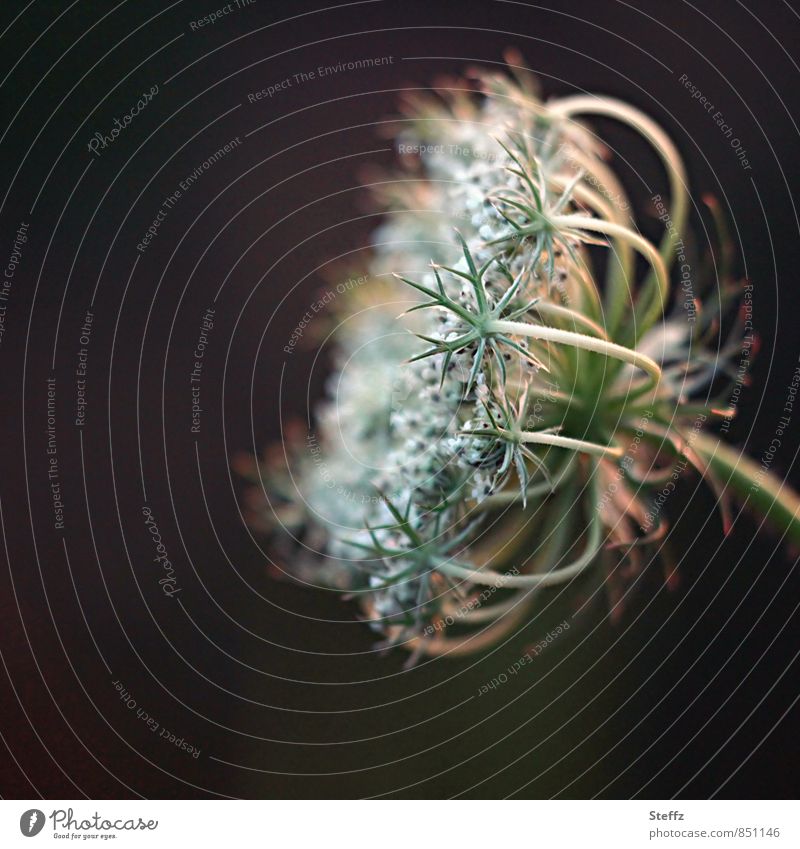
(412, 422)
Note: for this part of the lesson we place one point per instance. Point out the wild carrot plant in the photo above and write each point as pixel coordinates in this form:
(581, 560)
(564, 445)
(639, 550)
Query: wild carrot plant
(560, 367)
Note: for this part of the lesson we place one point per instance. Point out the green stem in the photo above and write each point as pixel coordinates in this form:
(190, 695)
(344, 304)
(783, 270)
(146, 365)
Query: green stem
(577, 340)
(568, 107)
(765, 493)
(557, 311)
(537, 438)
(490, 578)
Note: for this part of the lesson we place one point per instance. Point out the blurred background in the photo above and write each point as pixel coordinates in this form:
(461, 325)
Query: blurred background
(110, 687)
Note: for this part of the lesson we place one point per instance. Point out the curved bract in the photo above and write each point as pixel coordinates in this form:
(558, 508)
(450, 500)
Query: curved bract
(551, 384)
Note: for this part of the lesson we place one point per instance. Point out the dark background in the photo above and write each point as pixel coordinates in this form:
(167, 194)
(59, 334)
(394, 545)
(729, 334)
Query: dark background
(691, 692)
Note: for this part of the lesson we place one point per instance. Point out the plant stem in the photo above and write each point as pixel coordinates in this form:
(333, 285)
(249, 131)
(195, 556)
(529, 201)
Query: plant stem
(537, 438)
(568, 107)
(556, 310)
